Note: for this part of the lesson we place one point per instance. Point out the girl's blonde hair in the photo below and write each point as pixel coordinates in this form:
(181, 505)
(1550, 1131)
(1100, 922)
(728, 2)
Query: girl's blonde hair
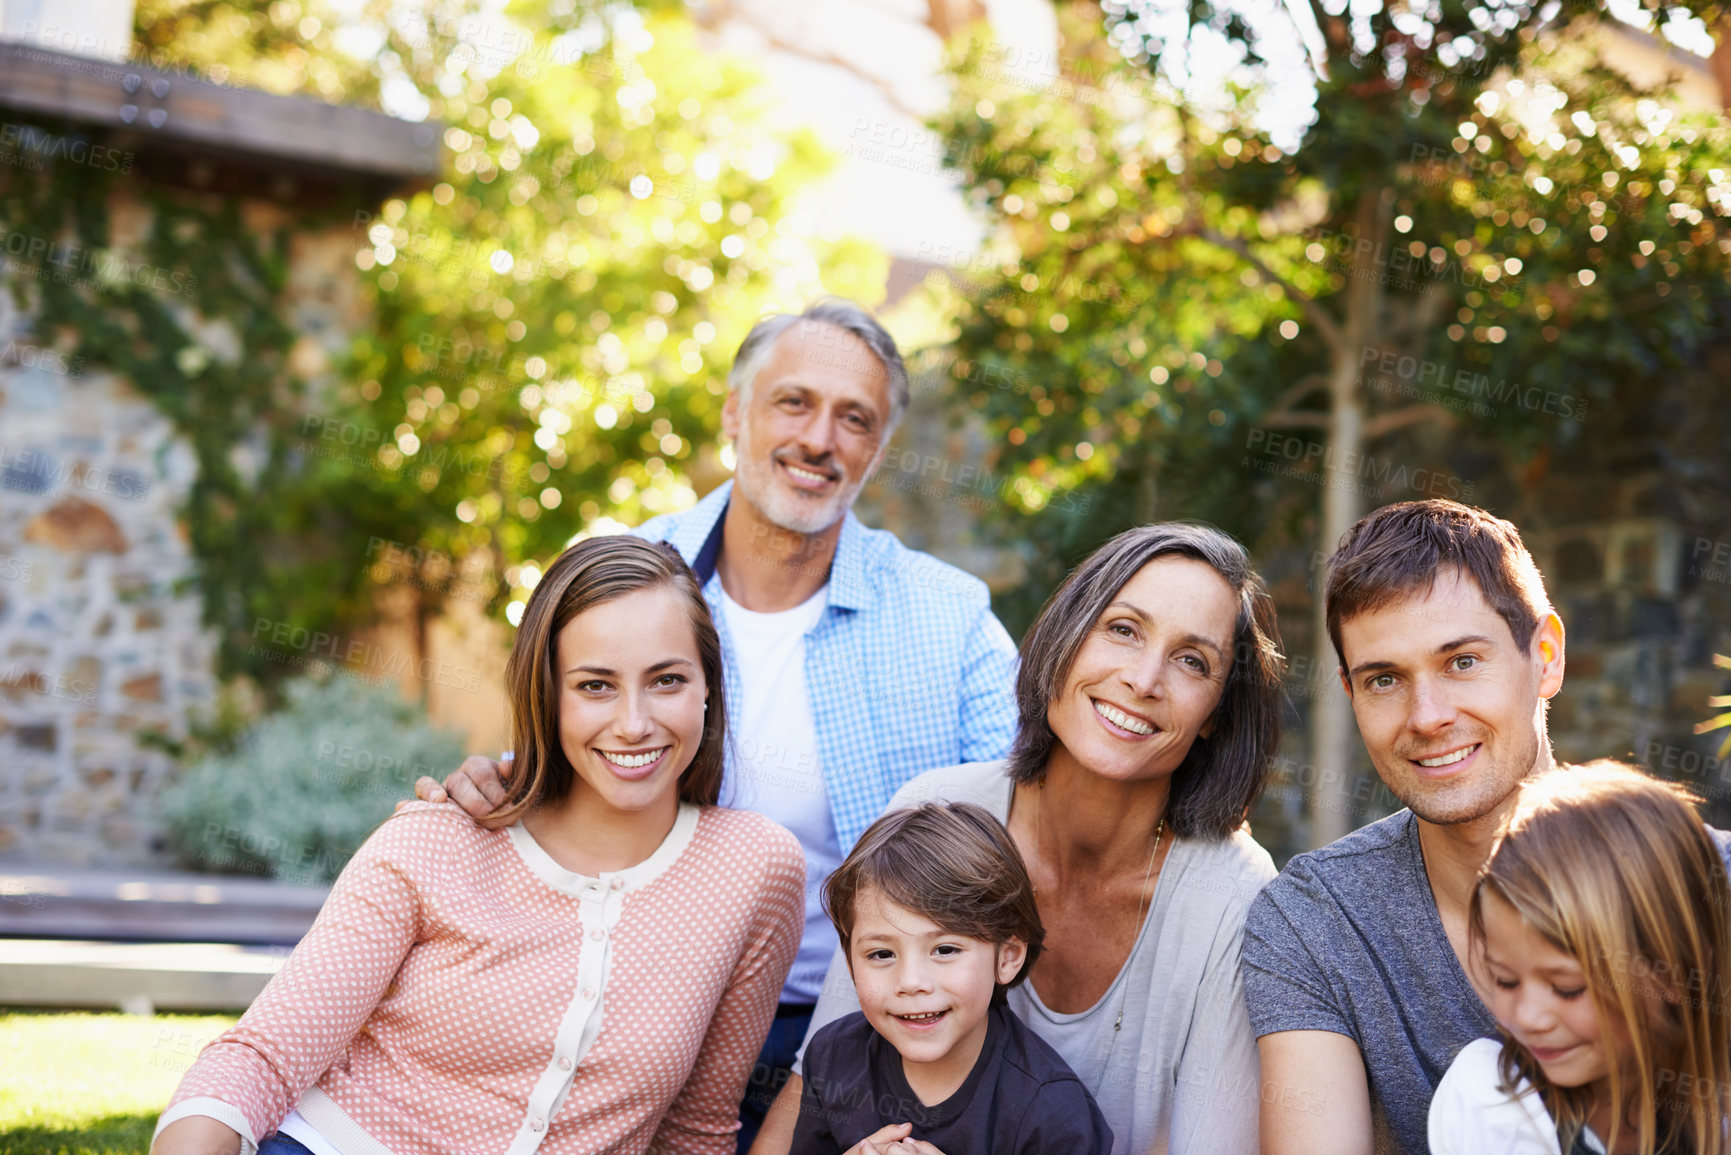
(1617, 869)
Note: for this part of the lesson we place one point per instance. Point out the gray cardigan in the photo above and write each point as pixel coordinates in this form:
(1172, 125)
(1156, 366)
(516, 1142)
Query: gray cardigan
(1183, 1076)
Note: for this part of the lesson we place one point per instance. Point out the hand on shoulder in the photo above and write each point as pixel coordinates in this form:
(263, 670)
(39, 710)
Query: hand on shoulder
(477, 787)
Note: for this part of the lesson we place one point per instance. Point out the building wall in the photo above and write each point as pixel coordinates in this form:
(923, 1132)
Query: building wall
(1635, 544)
(101, 643)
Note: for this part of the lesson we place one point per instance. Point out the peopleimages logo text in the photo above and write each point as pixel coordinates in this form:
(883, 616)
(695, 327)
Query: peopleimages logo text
(43, 145)
(70, 262)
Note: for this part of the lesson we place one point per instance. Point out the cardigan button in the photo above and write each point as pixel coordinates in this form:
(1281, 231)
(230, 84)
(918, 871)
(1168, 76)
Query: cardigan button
(564, 1062)
(537, 1123)
(589, 994)
(597, 934)
(617, 884)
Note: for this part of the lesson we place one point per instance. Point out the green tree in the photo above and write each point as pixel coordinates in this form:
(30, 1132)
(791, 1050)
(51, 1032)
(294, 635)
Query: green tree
(287, 47)
(549, 326)
(556, 321)
(1474, 197)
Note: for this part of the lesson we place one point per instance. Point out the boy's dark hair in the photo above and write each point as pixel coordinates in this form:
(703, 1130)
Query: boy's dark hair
(1398, 551)
(950, 862)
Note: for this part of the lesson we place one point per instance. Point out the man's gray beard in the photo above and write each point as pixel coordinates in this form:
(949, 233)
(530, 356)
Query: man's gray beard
(783, 509)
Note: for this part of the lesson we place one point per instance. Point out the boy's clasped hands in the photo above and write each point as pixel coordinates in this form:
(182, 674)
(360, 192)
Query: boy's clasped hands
(895, 1139)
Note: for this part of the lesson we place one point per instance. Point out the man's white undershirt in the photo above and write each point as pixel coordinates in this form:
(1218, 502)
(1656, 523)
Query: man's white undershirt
(777, 771)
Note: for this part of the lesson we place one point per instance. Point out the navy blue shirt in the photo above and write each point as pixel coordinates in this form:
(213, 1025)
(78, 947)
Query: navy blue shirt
(1021, 1098)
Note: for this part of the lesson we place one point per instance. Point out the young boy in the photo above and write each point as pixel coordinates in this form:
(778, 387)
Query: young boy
(937, 919)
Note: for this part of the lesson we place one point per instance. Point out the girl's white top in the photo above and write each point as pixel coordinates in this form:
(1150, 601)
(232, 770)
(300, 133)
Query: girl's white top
(1471, 1113)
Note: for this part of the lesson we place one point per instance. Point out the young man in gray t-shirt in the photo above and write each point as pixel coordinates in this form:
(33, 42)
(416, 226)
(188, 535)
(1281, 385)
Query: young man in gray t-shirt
(1356, 974)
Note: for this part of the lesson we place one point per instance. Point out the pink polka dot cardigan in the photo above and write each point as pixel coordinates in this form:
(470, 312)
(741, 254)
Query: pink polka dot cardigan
(461, 992)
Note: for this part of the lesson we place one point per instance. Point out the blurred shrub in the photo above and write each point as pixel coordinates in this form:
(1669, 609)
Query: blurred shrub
(305, 786)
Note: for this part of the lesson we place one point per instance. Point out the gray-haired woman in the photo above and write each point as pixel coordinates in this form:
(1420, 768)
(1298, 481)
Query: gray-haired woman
(1149, 694)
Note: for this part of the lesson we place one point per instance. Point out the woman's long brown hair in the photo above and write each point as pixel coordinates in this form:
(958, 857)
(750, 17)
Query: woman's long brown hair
(586, 575)
(1617, 869)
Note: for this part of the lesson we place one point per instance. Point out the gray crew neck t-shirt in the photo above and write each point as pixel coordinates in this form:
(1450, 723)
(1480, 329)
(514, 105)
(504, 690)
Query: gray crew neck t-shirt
(1182, 1075)
(1348, 939)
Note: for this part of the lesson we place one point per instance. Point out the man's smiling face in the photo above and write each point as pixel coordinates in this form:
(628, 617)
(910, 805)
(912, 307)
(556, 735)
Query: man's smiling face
(1447, 704)
(811, 428)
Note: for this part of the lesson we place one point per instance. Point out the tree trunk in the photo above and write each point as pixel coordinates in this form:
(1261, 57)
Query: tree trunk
(423, 624)
(1331, 723)
(1332, 727)
(1720, 61)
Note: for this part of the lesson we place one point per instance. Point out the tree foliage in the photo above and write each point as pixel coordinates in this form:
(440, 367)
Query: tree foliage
(1480, 247)
(546, 331)
(556, 321)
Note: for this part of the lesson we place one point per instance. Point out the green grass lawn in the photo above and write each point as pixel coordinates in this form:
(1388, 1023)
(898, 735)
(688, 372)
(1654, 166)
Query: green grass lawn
(91, 1084)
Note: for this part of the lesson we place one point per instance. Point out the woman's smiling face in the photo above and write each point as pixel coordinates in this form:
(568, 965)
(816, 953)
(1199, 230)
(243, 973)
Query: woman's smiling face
(1151, 672)
(631, 699)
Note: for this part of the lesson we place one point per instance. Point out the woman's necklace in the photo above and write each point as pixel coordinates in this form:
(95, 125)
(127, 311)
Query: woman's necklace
(1141, 906)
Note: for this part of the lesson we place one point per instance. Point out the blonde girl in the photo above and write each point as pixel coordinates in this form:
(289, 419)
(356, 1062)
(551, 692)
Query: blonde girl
(1599, 935)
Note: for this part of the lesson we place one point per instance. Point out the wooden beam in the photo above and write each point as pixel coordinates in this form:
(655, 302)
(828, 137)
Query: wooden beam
(149, 110)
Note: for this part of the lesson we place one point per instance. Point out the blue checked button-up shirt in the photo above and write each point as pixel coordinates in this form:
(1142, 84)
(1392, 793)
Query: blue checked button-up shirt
(908, 669)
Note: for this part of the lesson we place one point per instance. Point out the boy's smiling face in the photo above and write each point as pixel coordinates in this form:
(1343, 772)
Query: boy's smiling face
(925, 990)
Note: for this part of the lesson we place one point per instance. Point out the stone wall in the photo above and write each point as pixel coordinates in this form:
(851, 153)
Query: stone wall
(101, 643)
(1637, 556)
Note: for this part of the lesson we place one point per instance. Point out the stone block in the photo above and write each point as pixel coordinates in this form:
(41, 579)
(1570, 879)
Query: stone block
(144, 688)
(43, 736)
(87, 671)
(18, 684)
(73, 809)
(68, 848)
(101, 741)
(130, 833)
(74, 525)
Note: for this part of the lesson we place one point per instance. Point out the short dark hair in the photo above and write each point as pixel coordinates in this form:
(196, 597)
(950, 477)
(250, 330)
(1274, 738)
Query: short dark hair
(1397, 552)
(1222, 776)
(591, 572)
(950, 862)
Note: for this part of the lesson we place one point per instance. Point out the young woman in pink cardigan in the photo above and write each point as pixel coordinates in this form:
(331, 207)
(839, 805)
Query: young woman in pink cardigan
(592, 969)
